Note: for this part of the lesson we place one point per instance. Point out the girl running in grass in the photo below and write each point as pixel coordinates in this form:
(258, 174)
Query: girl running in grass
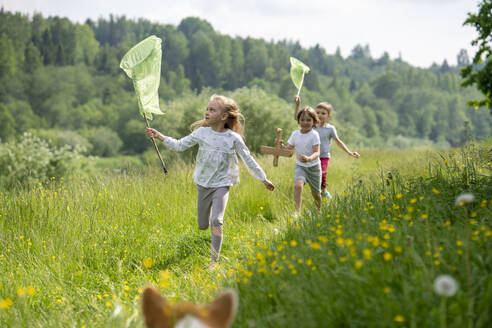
(219, 138)
(308, 168)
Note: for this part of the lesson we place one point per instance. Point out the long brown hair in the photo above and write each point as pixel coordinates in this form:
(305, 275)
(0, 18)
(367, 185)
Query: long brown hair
(309, 111)
(229, 106)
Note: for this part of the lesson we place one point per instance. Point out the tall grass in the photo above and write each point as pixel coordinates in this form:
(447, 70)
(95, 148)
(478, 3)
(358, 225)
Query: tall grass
(78, 254)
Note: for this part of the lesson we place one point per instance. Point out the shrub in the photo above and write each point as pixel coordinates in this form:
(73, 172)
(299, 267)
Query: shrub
(34, 160)
(105, 142)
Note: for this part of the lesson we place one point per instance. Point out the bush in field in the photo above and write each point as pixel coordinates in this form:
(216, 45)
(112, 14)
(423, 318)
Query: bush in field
(60, 138)
(34, 160)
(105, 142)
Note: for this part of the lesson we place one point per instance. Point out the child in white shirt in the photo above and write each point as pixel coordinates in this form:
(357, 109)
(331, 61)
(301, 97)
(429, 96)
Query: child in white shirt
(219, 139)
(308, 168)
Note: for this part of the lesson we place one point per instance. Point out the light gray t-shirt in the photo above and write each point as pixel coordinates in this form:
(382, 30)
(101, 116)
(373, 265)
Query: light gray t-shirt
(303, 143)
(325, 134)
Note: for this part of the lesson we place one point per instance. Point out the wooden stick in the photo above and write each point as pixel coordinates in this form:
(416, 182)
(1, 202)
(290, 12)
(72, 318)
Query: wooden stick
(155, 146)
(277, 150)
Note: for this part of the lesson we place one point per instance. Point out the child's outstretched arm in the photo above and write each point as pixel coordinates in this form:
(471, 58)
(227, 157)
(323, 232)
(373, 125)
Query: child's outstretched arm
(254, 169)
(342, 145)
(297, 100)
(178, 145)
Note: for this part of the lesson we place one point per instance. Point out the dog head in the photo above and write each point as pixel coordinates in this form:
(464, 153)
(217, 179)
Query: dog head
(161, 314)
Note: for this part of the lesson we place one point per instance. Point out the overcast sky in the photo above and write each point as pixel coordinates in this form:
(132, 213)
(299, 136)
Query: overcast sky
(422, 31)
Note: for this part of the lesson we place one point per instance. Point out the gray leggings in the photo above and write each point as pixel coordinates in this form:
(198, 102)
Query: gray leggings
(211, 205)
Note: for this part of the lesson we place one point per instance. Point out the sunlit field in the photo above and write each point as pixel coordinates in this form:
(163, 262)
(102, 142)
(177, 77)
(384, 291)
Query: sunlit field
(78, 253)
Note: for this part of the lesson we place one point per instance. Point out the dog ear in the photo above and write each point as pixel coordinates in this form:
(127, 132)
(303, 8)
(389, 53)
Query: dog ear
(154, 309)
(222, 310)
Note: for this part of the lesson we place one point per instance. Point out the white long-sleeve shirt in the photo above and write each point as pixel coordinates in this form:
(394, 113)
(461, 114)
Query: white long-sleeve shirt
(216, 161)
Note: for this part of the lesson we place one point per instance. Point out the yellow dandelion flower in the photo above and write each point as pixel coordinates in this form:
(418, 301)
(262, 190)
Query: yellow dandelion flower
(398, 249)
(367, 253)
(30, 291)
(315, 245)
(323, 239)
(340, 241)
(21, 291)
(399, 318)
(413, 200)
(358, 264)
(435, 191)
(343, 259)
(387, 256)
(309, 262)
(398, 196)
(349, 242)
(437, 262)
(459, 251)
(148, 262)
(382, 197)
(108, 304)
(294, 271)
(293, 243)
(386, 290)
(6, 303)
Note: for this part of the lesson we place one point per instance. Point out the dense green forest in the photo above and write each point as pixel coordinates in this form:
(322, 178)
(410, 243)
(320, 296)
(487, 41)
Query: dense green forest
(61, 81)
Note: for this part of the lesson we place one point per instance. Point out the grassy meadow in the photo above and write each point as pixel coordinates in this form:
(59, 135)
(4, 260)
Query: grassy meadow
(78, 253)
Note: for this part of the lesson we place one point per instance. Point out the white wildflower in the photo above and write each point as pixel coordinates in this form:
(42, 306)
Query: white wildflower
(276, 231)
(445, 285)
(464, 198)
(117, 310)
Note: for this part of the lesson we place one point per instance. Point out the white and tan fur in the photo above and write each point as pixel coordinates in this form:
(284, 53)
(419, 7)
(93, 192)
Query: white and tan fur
(158, 313)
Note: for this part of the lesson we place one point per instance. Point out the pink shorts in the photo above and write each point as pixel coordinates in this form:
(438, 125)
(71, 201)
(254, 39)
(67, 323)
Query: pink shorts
(324, 166)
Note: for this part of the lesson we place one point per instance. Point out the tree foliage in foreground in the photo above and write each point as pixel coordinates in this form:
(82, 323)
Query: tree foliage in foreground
(479, 73)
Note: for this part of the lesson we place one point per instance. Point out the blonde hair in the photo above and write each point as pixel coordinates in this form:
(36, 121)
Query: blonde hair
(229, 106)
(326, 106)
(309, 111)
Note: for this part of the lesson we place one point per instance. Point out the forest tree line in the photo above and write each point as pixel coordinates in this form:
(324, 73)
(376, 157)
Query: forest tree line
(61, 81)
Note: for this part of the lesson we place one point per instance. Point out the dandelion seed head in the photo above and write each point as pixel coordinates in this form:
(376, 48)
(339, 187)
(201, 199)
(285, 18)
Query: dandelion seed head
(445, 285)
(464, 198)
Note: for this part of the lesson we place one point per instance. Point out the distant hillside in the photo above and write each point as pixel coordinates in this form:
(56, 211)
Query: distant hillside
(57, 76)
